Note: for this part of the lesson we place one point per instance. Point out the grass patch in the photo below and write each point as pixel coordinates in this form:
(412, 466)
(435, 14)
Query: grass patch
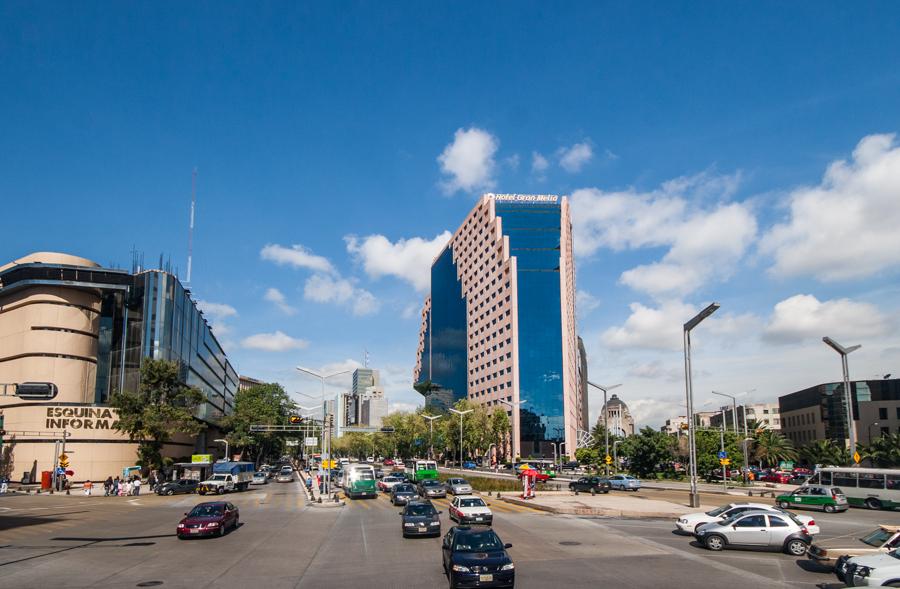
(485, 484)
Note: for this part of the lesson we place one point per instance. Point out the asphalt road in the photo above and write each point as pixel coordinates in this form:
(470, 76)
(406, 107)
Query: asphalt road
(68, 542)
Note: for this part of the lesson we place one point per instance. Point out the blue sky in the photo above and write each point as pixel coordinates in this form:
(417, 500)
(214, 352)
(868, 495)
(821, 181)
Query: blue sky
(695, 138)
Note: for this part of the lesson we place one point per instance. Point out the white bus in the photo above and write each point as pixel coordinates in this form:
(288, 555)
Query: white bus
(875, 488)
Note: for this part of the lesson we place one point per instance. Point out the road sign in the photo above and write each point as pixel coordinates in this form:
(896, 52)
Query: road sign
(608, 459)
(313, 441)
(856, 457)
(201, 458)
(723, 454)
(64, 461)
(60, 470)
(295, 419)
(292, 442)
(725, 461)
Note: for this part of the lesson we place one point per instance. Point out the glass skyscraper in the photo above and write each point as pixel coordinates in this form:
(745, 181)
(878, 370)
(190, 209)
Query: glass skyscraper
(500, 322)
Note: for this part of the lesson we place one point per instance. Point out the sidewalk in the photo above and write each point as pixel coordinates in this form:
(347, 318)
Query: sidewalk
(611, 505)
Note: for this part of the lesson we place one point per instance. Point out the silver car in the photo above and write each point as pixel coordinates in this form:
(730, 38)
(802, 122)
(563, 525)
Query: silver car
(757, 529)
(458, 487)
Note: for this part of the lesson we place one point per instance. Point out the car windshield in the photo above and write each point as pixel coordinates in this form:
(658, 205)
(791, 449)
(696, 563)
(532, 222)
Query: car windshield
(476, 502)
(718, 511)
(218, 477)
(876, 538)
(207, 511)
(430, 483)
(477, 542)
(365, 476)
(895, 553)
(421, 509)
(392, 480)
(405, 489)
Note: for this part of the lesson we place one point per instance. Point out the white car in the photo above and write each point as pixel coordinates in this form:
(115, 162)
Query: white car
(879, 570)
(690, 522)
(470, 509)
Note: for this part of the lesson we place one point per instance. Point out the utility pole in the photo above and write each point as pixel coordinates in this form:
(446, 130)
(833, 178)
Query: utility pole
(461, 414)
(431, 419)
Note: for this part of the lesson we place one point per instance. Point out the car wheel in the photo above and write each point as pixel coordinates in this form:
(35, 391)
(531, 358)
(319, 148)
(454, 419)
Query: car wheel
(452, 581)
(795, 547)
(170, 492)
(715, 542)
(783, 504)
(220, 491)
(221, 531)
(873, 503)
(829, 509)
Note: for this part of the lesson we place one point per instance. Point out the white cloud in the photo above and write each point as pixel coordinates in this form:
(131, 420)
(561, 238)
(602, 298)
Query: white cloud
(651, 328)
(321, 288)
(539, 163)
(405, 407)
(704, 243)
(574, 157)
(275, 296)
(411, 310)
(297, 256)
(585, 302)
(469, 161)
(407, 259)
(803, 317)
(273, 342)
(847, 226)
(217, 314)
(657, 370)
(512, 162)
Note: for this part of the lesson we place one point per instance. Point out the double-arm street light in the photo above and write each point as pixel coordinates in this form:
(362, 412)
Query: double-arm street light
(605, 390)
(689, 394)
(326, 447)
(514, 406)
(431, 419)
(461, 414)
(848, 398)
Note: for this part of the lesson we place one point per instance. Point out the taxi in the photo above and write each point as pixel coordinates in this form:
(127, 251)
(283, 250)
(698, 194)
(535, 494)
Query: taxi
(829, 499)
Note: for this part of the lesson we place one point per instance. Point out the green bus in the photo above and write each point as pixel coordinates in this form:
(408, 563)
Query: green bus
(359, 481)
(875, 488)
(420, 470)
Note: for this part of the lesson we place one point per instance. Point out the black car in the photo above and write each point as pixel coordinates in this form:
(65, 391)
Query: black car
(403, 493)
(571, 465)
(475, 557)
(420, 518)
(176, 487)
(592, 485)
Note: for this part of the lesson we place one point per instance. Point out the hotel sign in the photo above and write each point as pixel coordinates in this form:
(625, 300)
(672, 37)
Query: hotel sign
(552, 198)
(81, 418)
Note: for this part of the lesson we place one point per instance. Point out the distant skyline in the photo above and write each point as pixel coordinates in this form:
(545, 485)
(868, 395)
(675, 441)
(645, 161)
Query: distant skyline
(745, 154)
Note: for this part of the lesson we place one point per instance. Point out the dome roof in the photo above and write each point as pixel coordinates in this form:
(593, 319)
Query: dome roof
(52, 258)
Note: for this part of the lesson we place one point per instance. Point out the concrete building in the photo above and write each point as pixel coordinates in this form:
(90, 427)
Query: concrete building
(245, 382)
(374, 407)
(820, 413)
(86, 329)
(500, 321)
(765, 415)
(585, 420)
(675, 425)
(618, 417)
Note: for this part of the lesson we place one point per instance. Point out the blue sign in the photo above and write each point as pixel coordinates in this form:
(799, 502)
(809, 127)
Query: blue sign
(60, 470)
(723, 454)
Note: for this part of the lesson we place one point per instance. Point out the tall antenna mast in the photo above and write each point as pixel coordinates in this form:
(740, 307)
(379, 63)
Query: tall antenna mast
(191, 228)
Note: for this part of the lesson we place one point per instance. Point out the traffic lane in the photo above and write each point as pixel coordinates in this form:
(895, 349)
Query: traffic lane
(139, 544)
(777, 566)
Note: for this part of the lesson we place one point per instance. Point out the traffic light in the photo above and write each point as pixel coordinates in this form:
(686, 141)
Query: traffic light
(296, 419)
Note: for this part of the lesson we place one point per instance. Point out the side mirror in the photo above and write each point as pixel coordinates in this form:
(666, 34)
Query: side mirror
(185, 513)
(734, 527)
(507, 545)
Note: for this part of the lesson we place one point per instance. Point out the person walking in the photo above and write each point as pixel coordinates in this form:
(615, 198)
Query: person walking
(137, 486)
(128, 487)
(115, 487)
(88, 487)
(107, 486)
(151, 482)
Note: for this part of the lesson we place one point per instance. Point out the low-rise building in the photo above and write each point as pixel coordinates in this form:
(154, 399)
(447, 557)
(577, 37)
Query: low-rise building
(760, 415)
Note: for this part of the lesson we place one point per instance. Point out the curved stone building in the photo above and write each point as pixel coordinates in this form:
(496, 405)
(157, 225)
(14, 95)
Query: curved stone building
(85, 329)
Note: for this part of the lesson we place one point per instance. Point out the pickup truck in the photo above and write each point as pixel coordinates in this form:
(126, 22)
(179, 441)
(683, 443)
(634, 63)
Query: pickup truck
(228, 476)
(218, 484)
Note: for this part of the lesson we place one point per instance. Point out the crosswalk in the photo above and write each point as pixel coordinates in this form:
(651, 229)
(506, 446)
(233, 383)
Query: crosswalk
(383, 502)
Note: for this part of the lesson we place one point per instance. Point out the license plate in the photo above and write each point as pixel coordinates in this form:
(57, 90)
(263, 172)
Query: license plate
(485, 578)
(195, 531)
(478, 519)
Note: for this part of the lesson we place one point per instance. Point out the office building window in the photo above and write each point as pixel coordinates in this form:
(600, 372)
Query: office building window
(882, 413)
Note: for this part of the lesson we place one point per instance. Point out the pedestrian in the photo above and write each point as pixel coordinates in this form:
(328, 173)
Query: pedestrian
(115, 487)
(107, 486)
(128, 487)
(88, 488)
(137, 486)
(151, 482)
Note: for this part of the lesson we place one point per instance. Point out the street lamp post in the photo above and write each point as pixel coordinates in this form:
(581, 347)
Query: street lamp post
(605, 390)
(226, 446)
(848, 398)
(326, 446)
(431, 419)
(461, 414)
(689, 394)
(869, 429)
(514, 406)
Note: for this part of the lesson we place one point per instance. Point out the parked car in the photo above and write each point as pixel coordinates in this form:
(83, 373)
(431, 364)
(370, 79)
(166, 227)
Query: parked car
(540, 477)
(388, 462)
(777, 477)
(470, 509)
(420, 518)
(476, 557)
(388, 482)
(469, 465)
(429, 488)
(212, 518)
(592, 485)
(456, 486)
(829, 499)
(757, 529)
(177, 487)
(624, 482)
(882, 539)
(873, 570)
(402, 494)
(571, 465)
(285, 477)
(691, 522)
(260, 478)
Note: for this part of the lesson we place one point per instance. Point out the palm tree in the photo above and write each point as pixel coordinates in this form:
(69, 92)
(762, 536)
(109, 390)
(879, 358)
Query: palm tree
(884, 452)
(825, 452)
(771, 447)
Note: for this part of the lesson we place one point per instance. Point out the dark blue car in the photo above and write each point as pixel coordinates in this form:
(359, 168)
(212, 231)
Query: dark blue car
(476, 557)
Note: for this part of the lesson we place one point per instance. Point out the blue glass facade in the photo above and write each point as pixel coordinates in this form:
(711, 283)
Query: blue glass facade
(534, 231)
(443, 376)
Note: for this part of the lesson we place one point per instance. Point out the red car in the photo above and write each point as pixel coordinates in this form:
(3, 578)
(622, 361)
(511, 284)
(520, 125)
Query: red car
(778, 477)
(212, 518)
(538, 476)
(388, 462)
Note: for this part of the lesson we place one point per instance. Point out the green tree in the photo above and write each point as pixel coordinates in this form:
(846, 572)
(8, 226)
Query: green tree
(598, 438)
(884, 452)
(826, 453)
(770, 448)
(709, 444)
(162, 406)
(262, 404)
(647, 451)
(587, 456)
(500, 429)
